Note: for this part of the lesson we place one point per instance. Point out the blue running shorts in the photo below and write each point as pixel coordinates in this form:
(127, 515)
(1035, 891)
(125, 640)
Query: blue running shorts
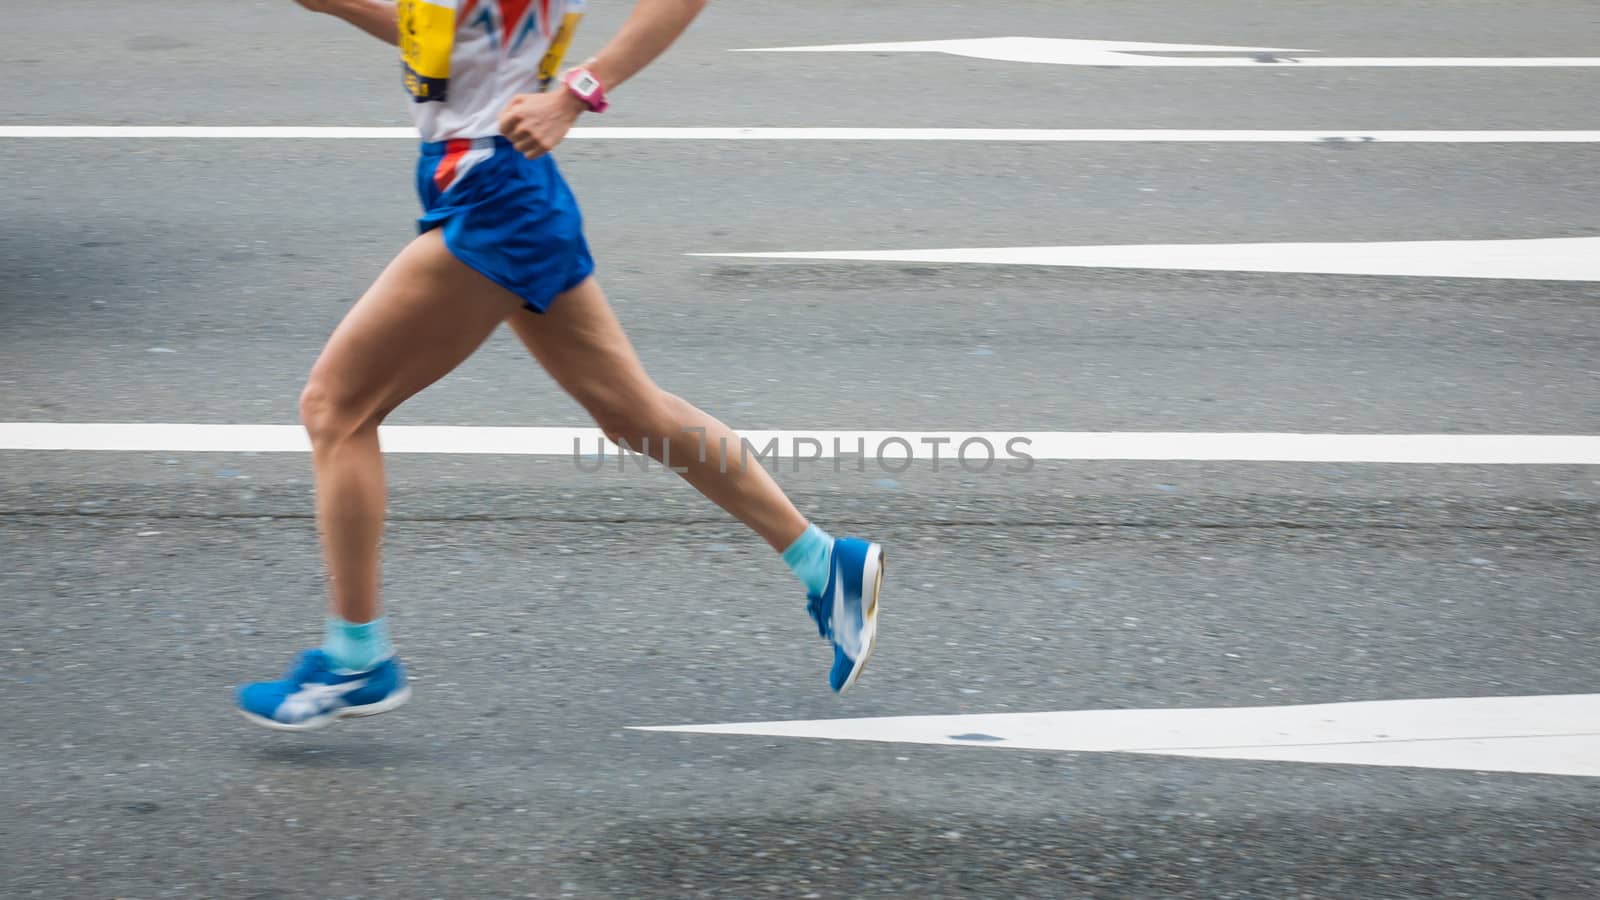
(509, 217)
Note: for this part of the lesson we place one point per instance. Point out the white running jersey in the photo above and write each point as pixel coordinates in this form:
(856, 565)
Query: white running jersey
(464, 60)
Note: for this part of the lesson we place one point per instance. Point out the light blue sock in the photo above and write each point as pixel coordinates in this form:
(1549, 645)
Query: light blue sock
(810, 557)
(357, 647)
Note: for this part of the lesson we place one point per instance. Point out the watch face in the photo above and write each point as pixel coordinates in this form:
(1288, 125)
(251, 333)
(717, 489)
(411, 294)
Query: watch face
(585, 84)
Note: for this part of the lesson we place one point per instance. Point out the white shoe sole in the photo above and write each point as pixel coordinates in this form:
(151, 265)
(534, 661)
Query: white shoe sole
(314, 723)
(871, 574)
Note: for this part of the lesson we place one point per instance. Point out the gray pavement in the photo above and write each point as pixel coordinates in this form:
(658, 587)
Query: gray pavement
(544, 610)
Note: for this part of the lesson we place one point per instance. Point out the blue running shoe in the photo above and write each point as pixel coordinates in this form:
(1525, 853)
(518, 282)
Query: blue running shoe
(315, 695)
(847, 611)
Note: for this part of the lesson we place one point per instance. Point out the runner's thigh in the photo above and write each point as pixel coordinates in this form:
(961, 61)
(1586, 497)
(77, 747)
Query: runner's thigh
(583, 347)
(420, 319)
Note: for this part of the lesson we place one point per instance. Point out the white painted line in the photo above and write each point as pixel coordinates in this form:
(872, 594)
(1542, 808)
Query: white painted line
(252, 132)
(1546, 259)
(1073, 52)
(1009, 447)
(994, 135)
(1550, 735)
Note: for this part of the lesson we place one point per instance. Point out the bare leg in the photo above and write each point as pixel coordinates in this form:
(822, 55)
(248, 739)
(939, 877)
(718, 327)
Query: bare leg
(581, 344)
(425, 314)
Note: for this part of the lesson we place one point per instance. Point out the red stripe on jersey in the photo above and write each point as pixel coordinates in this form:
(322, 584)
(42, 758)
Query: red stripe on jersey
(511, 15)
(466, 10)
(445, 174)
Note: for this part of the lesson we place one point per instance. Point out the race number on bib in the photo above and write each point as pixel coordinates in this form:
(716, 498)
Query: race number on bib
(427, 36)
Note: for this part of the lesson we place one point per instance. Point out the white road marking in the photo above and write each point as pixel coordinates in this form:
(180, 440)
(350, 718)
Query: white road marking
(996, 135)
(1073, 52)
(1545, 259)
(1550, 735)
(231, 132)
(1008, 447)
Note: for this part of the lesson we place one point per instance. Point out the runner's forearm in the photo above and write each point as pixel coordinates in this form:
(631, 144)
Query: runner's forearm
(375, 17)
(651, 28)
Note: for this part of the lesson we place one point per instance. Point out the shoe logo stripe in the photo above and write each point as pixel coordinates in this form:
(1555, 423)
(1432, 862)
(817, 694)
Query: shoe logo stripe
(315, 699)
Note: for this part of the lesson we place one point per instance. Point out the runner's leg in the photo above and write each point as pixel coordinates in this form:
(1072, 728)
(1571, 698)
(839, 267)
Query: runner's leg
(581, 344)
(423, 316)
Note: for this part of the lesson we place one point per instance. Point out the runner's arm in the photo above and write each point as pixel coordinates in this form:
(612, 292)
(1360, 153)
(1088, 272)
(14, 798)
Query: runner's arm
(375, 17)
(536, 123)
(650, 29)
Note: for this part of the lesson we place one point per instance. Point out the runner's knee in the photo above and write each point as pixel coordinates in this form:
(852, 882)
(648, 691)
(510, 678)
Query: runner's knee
(330, 419)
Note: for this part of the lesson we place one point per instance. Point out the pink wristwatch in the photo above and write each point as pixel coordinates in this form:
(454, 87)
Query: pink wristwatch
(583, 85)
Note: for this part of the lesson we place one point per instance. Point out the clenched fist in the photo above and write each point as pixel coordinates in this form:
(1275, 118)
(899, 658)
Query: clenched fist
(536, 123)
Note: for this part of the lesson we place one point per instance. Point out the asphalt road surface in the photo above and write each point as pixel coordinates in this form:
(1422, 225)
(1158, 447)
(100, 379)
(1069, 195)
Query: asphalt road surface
(546, 610)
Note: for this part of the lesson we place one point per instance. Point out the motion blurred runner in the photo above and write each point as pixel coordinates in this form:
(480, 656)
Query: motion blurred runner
(501, 241)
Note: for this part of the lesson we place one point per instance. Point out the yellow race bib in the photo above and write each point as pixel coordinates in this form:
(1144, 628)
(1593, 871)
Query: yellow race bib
(427, 37)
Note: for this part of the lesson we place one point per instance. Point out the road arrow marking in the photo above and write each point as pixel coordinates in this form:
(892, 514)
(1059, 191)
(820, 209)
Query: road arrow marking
(1073, 52)
(1543, 259)
(1548, 735)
